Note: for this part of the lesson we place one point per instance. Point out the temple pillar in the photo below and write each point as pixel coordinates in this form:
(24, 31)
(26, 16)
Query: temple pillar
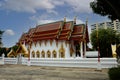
(67, 52)
(81, 49)
(58, 55)
(35, 55)
(85, 45)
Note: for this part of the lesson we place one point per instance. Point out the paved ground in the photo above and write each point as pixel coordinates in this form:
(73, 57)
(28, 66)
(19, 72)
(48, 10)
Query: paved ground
(20, 72)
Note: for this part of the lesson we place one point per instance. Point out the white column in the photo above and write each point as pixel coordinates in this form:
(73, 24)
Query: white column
(35, 55)
(85, 49)
(3, 58)
(81, 49)
(67, 52)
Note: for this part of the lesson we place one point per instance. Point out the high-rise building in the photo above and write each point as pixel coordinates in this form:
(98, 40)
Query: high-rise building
(115, 25)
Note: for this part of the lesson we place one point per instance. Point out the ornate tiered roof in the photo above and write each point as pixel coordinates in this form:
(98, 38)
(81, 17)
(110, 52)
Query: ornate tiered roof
(47, 31)
(59, 30)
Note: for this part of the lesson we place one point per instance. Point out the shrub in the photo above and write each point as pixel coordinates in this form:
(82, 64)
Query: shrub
(114, 73)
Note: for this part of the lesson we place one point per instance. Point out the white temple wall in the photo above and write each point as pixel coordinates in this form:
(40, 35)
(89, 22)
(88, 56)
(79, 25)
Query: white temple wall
(47, 46)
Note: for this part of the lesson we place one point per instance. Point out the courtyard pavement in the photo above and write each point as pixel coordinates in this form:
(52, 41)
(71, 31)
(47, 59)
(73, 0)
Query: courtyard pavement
(22, 72)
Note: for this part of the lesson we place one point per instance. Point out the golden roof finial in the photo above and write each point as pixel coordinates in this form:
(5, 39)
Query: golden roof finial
(65, 19)
(75, 19)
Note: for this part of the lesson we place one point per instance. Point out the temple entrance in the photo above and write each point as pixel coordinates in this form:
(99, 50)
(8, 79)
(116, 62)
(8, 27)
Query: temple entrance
(78, 54)
(19, 59)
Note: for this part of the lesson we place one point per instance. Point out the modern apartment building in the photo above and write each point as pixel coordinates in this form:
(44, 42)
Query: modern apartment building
(115, 25)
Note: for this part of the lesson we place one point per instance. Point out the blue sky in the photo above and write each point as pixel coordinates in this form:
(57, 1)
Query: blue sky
(18, 16)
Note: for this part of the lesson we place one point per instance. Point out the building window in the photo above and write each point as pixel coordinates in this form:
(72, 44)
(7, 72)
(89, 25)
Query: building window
(62, 52)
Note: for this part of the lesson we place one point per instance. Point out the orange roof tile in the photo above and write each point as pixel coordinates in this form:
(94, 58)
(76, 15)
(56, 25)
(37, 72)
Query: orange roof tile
(78, 32)
(57, 30)
(49, 27)
(66, 30)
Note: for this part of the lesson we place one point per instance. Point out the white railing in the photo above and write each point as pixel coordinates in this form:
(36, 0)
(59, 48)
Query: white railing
(10, 60)
(24, 61)
(91, 54)
(65, 62)
(75, 62)
(1, 60)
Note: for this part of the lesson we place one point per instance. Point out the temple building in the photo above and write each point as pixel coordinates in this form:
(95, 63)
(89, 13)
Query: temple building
(61, 39)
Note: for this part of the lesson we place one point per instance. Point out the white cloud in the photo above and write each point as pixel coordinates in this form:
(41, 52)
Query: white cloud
(81, 6)
(48, 5)
(9, 32)
(45, 21)
(39, 21)
(45, 18)
(27, 5)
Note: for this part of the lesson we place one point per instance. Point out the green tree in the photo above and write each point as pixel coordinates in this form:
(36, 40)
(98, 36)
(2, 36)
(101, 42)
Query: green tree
(118, 38)
(15, 47)
(1, 33)
(108, 8)
(105, 38)
(5, 51)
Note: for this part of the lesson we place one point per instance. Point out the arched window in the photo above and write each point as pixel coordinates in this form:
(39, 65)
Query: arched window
(33, 54)
(48, 54)
(43, 54)
(62, 52)
(38, 54)
(54, 54)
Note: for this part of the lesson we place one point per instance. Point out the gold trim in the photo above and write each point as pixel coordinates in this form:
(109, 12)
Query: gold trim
(62, 51)
(54, 54)
(43, 54)
(33, 53)
(38, 54)
(48, 54)
(11, 53)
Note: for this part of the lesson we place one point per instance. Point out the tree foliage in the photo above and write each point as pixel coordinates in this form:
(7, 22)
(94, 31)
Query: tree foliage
(1, 33)
(105, 38)
(15, 47)
(5, 51)
(108, 8)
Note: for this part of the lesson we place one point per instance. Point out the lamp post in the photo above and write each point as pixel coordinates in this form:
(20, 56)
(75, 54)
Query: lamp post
(98, 62)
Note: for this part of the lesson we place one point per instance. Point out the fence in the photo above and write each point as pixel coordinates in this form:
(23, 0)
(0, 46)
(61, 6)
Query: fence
(75, 62)
(68, 62)
(62, 62)
(10, 60)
